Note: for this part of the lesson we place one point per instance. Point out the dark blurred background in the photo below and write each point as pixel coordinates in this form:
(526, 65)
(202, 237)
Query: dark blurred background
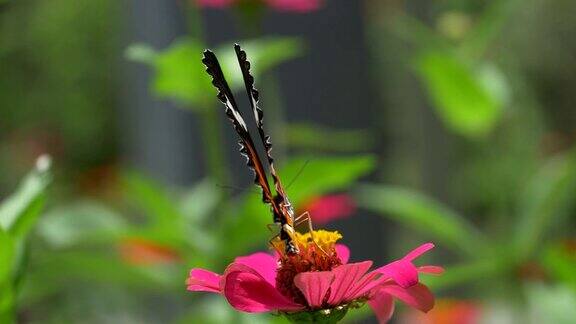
(444, 121)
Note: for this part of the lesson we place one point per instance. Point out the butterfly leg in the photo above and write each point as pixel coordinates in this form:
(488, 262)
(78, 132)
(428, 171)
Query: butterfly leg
(290, 243)
(271, 243)
(305, 218)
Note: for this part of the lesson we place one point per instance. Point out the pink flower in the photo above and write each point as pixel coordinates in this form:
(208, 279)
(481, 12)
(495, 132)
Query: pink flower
(312, 283)
(299, 6)
(330, 207)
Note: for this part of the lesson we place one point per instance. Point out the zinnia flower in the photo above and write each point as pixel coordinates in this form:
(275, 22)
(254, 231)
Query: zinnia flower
(317, 284)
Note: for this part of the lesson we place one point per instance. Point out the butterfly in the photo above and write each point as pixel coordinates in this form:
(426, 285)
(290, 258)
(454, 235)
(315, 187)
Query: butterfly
(282, 210)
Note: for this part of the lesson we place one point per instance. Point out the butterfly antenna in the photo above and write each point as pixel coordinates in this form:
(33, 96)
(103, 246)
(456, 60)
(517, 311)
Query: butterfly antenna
(235, 188)
(298, 174)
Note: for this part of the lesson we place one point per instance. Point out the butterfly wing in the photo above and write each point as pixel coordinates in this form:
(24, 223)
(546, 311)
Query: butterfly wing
(258, 117)
(247, 147)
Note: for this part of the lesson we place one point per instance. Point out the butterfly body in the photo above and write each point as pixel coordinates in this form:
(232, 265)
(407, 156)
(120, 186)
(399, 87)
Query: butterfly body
(281, 208)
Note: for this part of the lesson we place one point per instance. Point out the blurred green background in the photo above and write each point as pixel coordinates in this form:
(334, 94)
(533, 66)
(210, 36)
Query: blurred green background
(443, 121)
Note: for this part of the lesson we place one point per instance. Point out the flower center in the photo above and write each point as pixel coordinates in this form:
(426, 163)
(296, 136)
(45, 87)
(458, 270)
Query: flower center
(317, 253)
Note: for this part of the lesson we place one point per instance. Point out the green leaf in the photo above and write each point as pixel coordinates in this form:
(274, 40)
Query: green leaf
(199, 202)
(470, 272)
(560, 262)
(7, 258)
(418, 33)
(318, 176)
(7, 312)
(96, 267)
(168, 221)
(550, 303)
(494, 82)
(460, 94)
(7, 263)
(141, 53)
(489, 27)
(306, 177)
(180, 74)
(19, 212)
(196, 206)
(422, 214)
(155, 201)
(316, 137)
(546, 200)
(78, 222)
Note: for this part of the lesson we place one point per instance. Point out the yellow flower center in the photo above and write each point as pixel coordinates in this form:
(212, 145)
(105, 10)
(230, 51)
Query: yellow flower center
(321, 240)
(317, 253)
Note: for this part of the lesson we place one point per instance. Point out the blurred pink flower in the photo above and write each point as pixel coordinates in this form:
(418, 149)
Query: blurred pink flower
(300, 6)
(330, 207)
(312, 281)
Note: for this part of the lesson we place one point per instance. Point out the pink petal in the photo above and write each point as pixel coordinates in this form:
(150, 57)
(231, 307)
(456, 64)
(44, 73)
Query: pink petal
(246, 290)
(203, 280)
(412, 255)
(345, 277)
(383, 306)
(417, 296)
(364, 285)
(343, 253)
(402, 272)
(434, 270)
(314, 286)
(264, 263)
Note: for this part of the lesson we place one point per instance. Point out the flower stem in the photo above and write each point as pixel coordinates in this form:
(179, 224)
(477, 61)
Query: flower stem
(210, 127)
(194, 21)
(324, 316)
